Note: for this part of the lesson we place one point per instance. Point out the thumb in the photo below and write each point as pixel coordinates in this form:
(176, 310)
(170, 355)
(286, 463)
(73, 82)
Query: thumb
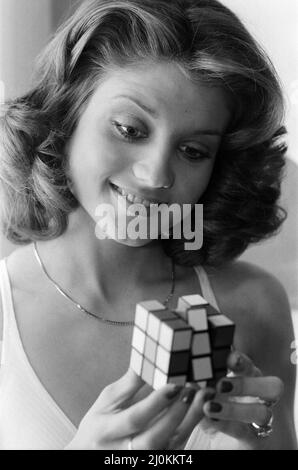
(117, 393)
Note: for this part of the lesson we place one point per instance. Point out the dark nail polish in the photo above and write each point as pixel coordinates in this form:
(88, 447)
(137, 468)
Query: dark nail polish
(188, 395)
(215, 407)
(174, 392)
(226, 386)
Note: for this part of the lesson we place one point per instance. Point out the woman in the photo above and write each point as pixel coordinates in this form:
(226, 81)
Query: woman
(141, 102)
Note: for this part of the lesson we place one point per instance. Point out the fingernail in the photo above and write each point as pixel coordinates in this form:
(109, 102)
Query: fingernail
(226, 386)
(215, 407)
(188, 395)
(174, 392)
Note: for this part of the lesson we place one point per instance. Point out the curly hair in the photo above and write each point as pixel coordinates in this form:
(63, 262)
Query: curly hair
(213, 47)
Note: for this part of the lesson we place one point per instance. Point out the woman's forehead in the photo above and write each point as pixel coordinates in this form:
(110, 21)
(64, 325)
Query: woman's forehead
(162, 89)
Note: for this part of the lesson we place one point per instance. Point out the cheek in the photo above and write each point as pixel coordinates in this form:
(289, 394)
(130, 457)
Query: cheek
(94, 158)
(195, 183)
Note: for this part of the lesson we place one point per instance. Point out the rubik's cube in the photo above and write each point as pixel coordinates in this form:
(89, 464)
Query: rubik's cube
(190, 343)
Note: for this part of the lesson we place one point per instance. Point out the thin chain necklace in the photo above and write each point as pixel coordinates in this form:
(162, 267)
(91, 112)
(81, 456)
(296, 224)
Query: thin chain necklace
(100, 318)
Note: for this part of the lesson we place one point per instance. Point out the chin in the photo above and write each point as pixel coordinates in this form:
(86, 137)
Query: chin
(107, 232)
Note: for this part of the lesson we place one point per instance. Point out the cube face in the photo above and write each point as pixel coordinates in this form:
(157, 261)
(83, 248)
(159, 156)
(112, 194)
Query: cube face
(221, 331)
(153, 326)
(150, 349)
(175, 335)
(172, 362)
(191, 301)
(179, 363)
(138, 340)
(201, 344)
(152, 305)
(201, 369)
(163, 359)
(219, 358)
(197, 319)
(160, 379)
(155, 320)
(148, 370)
(136, 361)
(142, 312)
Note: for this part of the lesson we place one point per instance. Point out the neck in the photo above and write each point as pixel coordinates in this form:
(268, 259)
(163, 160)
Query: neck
(104, 269)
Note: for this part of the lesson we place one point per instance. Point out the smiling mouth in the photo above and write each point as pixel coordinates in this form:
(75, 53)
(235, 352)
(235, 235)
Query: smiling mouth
(134, 198)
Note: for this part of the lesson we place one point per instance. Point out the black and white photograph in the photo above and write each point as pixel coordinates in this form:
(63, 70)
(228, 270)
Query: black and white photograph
(148, 227)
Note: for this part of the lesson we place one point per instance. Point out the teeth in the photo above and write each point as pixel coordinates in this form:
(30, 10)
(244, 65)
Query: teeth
(134, 199)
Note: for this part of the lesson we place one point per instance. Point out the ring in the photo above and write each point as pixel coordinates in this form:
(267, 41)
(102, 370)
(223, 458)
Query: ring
(129, 445)
(265, 430)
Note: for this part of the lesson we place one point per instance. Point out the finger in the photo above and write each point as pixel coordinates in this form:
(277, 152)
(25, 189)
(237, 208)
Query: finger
(193, 416)
(158, 435)
(240, 412)
(117, 393)
(267, 388)
(137, 417)
(242, 365)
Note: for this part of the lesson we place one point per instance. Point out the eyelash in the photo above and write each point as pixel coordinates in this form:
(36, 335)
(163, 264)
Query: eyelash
(124, 134)
(129, 138)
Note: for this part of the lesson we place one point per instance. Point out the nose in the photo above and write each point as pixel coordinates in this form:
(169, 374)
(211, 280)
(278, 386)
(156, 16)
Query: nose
(154, 170)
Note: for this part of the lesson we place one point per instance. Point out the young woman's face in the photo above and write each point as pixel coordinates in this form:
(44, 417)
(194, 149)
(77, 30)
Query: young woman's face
(144, 128)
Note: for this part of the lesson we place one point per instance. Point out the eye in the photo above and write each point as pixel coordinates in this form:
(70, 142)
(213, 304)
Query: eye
(194, 153)
(129, 132)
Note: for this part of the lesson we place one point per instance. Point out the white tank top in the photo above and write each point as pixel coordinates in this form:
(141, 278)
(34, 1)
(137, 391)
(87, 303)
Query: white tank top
(30, 419)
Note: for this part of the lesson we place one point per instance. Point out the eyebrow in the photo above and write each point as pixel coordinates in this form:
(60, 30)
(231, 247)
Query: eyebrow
(152, 112)
(139, 103)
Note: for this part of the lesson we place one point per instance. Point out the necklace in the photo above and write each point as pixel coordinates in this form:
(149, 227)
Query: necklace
(100, 318)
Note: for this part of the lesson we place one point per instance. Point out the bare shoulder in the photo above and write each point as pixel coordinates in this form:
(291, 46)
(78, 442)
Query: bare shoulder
(253, 289)
(19, 265)
(258, 303)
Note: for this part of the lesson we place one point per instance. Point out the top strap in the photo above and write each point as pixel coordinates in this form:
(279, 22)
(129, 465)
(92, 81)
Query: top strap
(207, 290)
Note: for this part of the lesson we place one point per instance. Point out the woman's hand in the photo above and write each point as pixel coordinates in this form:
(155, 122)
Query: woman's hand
(235, 412)
(162, 420)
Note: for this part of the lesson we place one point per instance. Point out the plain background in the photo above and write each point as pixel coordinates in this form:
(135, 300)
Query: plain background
(26, 26)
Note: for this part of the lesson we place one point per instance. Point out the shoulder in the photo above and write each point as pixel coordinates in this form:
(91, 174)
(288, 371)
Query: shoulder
(258, 290)
(257, 301)
(18, 266)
